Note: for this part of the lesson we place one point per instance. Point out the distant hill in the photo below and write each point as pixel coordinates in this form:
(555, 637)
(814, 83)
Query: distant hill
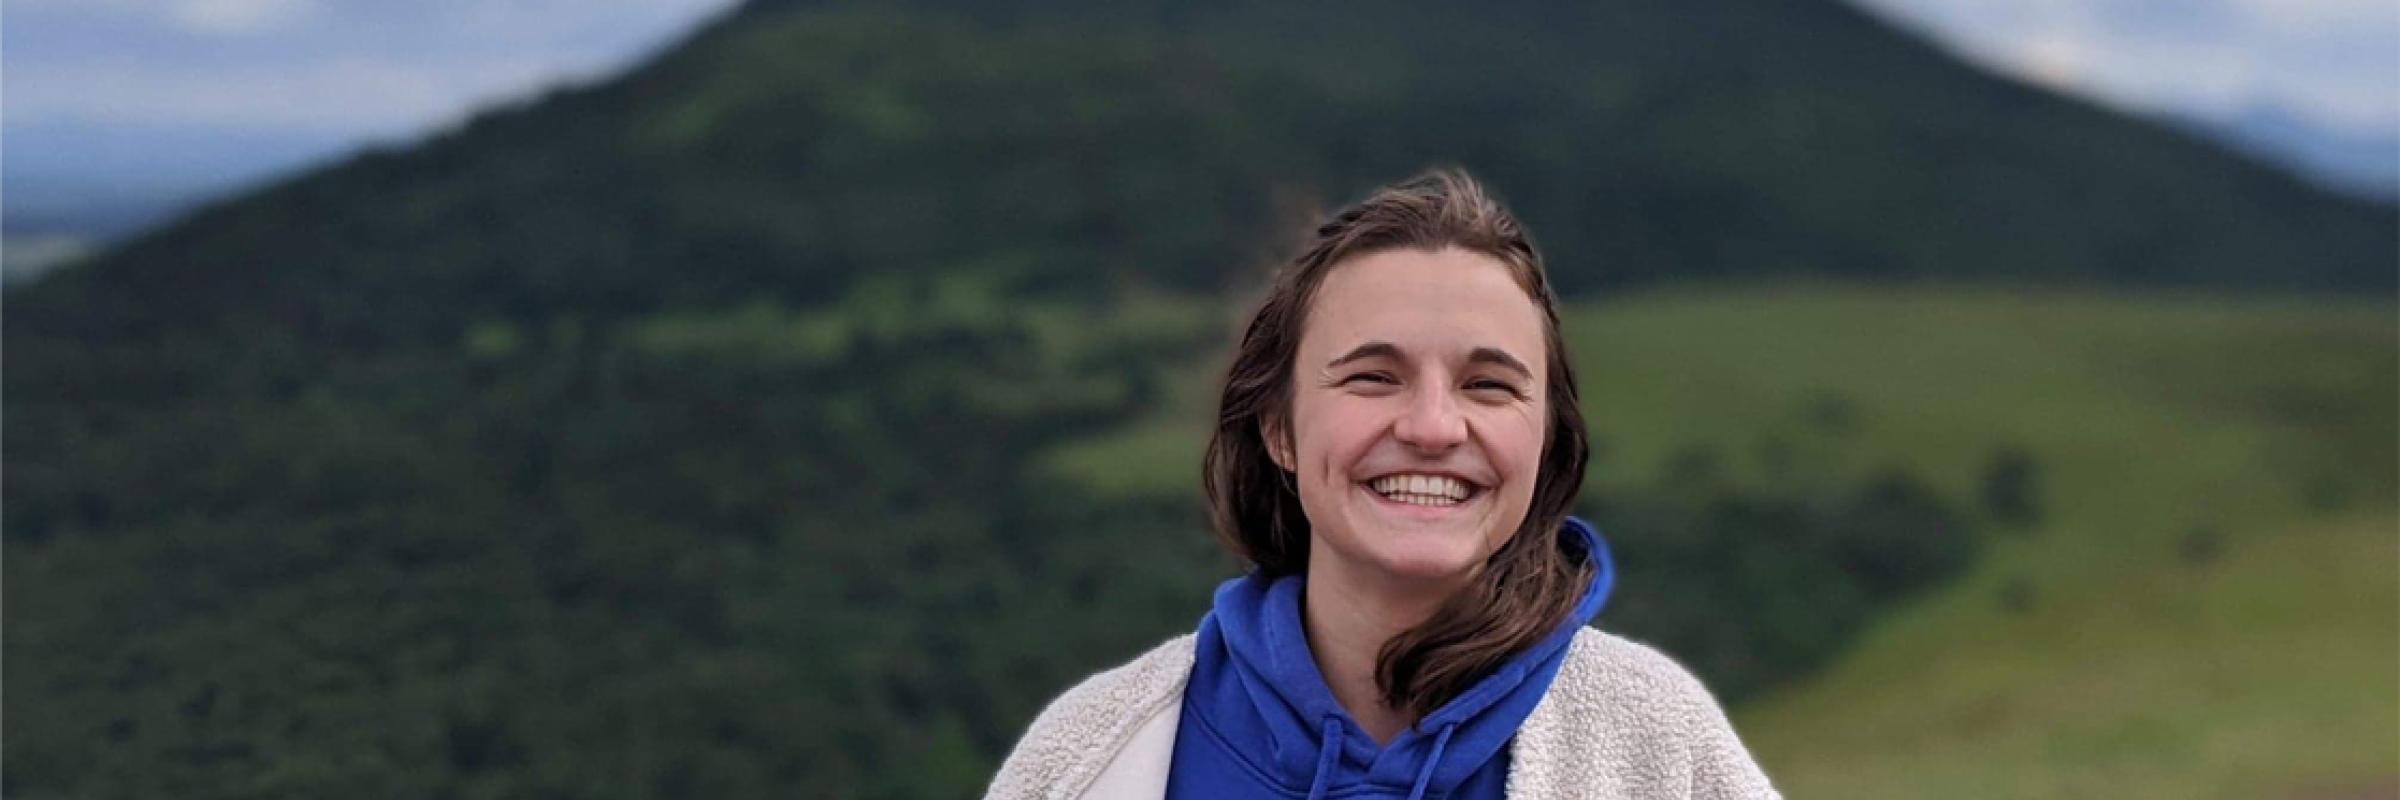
(99, 182)
(2361, 164)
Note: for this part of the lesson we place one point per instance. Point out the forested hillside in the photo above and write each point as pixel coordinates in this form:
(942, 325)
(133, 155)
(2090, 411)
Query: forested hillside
(793, 151)
(694, 432)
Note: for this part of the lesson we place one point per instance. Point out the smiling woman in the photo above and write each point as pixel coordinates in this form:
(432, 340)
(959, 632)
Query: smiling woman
(1414, 624)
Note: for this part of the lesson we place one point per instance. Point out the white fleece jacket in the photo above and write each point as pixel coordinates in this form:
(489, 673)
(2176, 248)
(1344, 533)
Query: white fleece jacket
(1620, 721)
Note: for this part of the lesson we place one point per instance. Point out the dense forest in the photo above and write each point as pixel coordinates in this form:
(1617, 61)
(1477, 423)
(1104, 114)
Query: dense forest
(680, 434)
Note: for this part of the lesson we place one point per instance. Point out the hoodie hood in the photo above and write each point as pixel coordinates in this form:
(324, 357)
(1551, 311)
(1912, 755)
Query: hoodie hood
(1256, 688)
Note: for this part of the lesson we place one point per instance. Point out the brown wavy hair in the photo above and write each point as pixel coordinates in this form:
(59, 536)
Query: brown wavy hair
(1527, 587)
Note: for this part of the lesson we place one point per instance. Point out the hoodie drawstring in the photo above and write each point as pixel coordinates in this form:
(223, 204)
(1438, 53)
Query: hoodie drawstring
(1331, 750)
(1425, 773)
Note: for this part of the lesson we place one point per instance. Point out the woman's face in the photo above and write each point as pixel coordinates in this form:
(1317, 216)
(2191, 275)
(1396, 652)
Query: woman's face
(1418, 413)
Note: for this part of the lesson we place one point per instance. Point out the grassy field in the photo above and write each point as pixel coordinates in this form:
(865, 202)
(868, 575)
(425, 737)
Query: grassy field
(2209, 605)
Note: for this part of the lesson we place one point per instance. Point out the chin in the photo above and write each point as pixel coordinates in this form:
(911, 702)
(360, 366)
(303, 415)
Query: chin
(1428, 563)
(1419, 543)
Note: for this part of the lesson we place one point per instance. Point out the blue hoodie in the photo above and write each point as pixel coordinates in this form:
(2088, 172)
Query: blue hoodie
(1259, 721)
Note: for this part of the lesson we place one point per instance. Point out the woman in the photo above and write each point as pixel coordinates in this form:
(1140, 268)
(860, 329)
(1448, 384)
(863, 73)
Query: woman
(1397, 448)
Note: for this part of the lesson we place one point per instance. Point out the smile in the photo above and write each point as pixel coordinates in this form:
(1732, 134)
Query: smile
(1423, 490)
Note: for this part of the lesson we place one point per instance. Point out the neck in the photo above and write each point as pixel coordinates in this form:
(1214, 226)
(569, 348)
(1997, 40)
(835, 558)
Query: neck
(1348, 618)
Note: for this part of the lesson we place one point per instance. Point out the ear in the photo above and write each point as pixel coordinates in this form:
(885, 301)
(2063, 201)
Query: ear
(1279, 442)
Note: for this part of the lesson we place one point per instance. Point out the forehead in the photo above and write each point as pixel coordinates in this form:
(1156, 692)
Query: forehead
(1439, 303)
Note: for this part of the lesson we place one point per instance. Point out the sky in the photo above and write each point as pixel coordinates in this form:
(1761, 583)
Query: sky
(106, 99)
(2335, 63)
(341, 67)
(109, 103)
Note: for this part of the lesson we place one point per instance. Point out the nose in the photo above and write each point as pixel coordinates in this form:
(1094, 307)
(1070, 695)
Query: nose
(1432, 423)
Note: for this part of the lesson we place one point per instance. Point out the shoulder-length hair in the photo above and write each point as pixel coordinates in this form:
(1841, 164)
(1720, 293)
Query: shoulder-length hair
(1527, 587)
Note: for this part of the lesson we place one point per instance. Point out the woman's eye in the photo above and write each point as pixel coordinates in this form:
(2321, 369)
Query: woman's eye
(1494, 386)
(1371, 377)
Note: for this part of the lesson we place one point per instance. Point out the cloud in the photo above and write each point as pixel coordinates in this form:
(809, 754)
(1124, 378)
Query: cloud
(2059, 62)
(2335, 61)
(241, 16)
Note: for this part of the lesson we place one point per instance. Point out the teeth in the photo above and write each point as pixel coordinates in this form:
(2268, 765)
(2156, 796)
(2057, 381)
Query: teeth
(1421, 489)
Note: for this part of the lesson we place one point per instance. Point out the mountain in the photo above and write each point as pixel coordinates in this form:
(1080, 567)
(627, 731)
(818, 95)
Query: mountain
(797, 146)
(2357, 163)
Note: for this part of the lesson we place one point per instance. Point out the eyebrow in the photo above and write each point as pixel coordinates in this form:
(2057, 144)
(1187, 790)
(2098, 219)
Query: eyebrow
(1499, 358)
(1366, 351)
(1481, 355)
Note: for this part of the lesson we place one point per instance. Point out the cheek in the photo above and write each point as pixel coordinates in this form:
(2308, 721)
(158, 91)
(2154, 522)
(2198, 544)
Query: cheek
(1513, 440)
(1336, 433)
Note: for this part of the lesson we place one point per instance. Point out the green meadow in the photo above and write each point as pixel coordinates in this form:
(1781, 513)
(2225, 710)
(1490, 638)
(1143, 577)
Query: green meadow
(2207, 603)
